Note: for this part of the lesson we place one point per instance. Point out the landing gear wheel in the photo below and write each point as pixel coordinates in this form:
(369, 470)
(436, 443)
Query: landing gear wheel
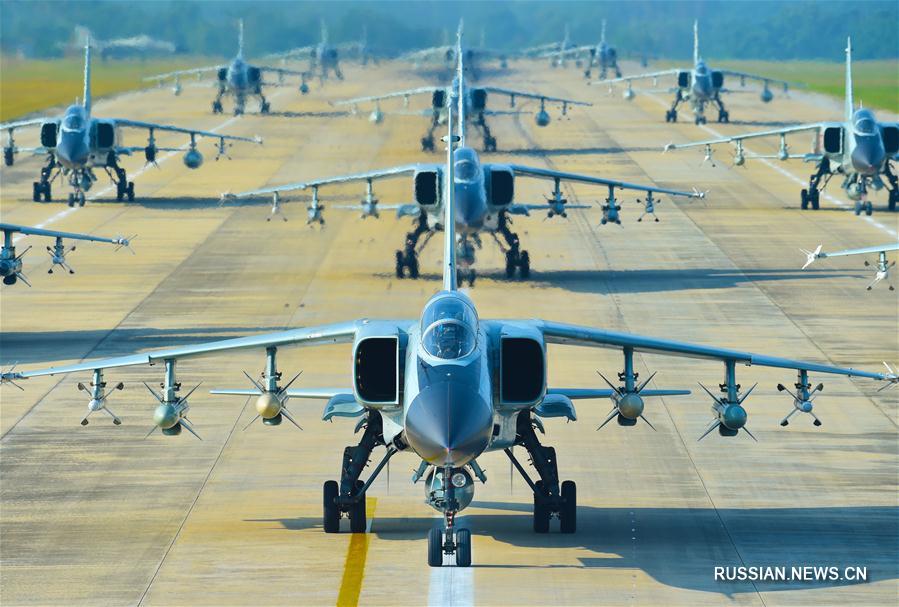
(568, 511)
(511, 262)
(238, 111)
(541, 510)
(357, 513)
(524, 266)
(79, 198)
(435, 547)
(72, 200)
(814, 198)
(472, 275)
(331, 515)
(48, 194)
(412, 264)
(894, 198)
(400, 265)
(120, 190)
(869, 208)
(858, 207)
(803, 197)
(427, 144)
(217, 107)
(463, 548)
(265, 107)
(723, 116)
(699, 120)
(36, 192)
(129, 191)
(671, 116)
(489, 143)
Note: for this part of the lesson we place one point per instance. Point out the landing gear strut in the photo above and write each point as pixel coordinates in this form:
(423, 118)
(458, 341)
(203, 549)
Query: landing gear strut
(550, 498)
(124, 188)
(671, 114)
(723, 114)
(894, 187)
(489, 139)
(407, 259)
(42, 188)
(515, 257)
(811, 196)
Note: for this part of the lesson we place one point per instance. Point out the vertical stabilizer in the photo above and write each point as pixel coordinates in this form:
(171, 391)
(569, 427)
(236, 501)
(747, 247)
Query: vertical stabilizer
(850, 103)
(449, 213)
(459, 94)
(324, 31)
(602, 35)
(695, 41)
(240, 38)
(87, 76)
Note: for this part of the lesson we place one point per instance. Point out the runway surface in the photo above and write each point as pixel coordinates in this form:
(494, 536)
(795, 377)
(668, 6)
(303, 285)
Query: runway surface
(98, 515)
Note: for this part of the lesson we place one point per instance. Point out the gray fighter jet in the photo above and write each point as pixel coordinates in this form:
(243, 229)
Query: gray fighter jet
(324, 57)
(239, 79)
(699, 86)
(485, 201)
(447, 388)
(11, 263)
(474, 98)
(860, 148)
(881, 266)
(77, 143)
(447, 54)
(601, 55)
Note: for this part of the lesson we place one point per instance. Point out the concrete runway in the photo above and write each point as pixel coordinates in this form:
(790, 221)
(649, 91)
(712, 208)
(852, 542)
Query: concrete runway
(97, 515)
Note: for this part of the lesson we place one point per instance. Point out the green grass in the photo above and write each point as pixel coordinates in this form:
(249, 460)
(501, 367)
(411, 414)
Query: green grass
(874, 83)
(28, 85)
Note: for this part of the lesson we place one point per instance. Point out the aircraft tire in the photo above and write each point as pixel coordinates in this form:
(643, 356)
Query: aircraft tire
(48, 193)
(524, 265)
(435, 547)
(358, 516)
(541, 511)
(568, 512)
(331, 514)
(129, 191)
(71, 200)
(463, 548)
(36, 192)
(400, 265)
(814, 199)
(119, 191)
(412, 264)
(894, 198)
(803, 197)
(510, 264)
(869, 208)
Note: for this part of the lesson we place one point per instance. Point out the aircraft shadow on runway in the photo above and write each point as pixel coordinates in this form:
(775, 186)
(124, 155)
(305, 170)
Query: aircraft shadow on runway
(40, 346)
(539, 152)
(680, 547)
(331, 114)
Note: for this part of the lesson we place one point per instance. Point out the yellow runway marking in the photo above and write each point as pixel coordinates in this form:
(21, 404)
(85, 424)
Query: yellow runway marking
(354, 566)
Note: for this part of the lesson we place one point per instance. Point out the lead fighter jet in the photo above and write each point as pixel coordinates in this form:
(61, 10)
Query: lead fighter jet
(700, 86)
(474, 98)
(445, 389)
(859, 148)
(485, 200)
(77, 143)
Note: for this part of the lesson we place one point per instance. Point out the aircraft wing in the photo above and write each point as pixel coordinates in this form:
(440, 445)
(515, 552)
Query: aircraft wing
(9, 228)
(745, 76)
(11, 126)
(734, 138)
(568, 52)
(561, 333)
(137, 124)
(300, 50)
(190, 72)
(282, 72)
(306, 336)
(671, 72)
(611, 183)
(304, 185)
(407, 93)
(427, 53)
(811, 256)
(528, 95)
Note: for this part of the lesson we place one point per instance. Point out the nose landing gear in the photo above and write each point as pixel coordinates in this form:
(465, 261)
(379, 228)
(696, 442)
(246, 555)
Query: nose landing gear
(450, 540)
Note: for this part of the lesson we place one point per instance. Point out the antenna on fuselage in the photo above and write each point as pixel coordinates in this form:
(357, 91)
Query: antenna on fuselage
(449, 215)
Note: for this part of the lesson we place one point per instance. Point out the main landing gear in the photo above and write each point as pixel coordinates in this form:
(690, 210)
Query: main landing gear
(42, 189)
(671, 114)
(551, 499)
(811, 197)
(264, 106)
(894, 187)
(723, 114)
(347, 499)
(489, 139)
(516, 259)
(407, 259)
(124, 188)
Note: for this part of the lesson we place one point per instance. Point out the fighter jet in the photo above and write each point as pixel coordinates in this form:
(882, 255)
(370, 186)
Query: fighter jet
(323, 57)
(700, 86)
(11, 263)
(485, 195)
(881, 267)
(446, 388)
(447, 54)
(860, 148)
(600, 55)
(77, 143)
(238, 79)
(475, 99)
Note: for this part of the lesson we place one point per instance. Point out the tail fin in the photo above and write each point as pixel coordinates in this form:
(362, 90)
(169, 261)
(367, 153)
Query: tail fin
(696, 41)
(240, 38)
(324, 31)
(602, 36)
(87, 75)
(850, 103)
(449, 213)
(460, 94)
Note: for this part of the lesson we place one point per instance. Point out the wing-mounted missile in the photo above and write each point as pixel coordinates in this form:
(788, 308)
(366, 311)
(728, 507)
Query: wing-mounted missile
(314, 210)
(811, 256)
(170, 415)
(892, 378)
(610, 209)
(542, 118)
(99, 395)
(58, 254)
(627, 399)
(271, 398)
(730, 416)
(802, 398)
(11, 265)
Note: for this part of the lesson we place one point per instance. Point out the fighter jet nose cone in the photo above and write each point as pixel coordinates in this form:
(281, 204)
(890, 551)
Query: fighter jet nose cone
(449, 424)
(866, 160)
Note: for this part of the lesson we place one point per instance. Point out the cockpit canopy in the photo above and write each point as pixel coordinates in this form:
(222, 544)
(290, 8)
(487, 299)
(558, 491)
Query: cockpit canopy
(701, 68)
(74, 119)
(466, 165)
(865, 124)
(449, 327)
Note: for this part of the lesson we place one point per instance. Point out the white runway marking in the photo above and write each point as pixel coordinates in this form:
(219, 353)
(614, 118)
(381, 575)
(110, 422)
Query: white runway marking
(793, 177)
(451, 586)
